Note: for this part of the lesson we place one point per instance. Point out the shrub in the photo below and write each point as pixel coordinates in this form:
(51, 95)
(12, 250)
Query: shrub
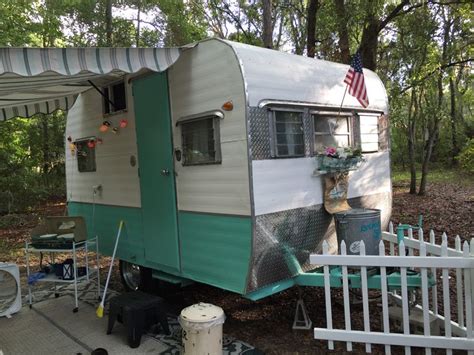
(466, 157)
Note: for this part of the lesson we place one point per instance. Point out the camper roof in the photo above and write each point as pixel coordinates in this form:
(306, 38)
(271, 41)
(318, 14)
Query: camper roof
(273, 76)
(34, 80)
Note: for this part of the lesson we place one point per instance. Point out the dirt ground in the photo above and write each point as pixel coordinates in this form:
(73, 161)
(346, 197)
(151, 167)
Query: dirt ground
(266, 324)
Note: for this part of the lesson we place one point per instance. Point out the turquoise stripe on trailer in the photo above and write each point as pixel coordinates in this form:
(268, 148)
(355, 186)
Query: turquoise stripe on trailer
(216, 249)
(103, 221)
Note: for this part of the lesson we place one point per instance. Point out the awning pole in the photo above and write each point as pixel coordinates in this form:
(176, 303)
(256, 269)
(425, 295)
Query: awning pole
(103, 95)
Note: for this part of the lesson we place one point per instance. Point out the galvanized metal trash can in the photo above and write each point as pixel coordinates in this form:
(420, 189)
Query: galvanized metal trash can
(358, 224)
(202, 329)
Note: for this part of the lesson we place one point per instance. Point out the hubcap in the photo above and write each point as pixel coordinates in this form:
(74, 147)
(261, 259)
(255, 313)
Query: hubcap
(131, 275)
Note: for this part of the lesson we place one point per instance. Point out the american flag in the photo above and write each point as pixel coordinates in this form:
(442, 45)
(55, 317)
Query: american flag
(355, 80)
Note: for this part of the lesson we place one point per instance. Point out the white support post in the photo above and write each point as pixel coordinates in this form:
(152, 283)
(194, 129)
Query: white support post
(434, 289)
(404, 294)
(327, 292)
(365, 297)
(468, 294)
(384, 289)
(471, 253)
(345, 290)
(459, 290)
(446, 295)
(425, 298)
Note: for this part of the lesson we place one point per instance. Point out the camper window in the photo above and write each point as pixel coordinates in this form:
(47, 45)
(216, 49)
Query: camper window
(369, 133)
(200, 141)
(116, 98)
(85, 155)
(331, 131)
(288, 134)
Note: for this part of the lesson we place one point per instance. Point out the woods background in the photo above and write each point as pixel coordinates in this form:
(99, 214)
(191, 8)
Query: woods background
(422, 50)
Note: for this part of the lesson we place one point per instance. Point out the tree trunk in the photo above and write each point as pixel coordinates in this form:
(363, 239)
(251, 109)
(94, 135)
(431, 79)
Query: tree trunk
(370, 34)
(312, 10)
(434, 132)
(137, 38)
(267, 24)
(369, 44)
(454, 140)
(342, 32)
(427, 156)
(45, 148)
(295, 34)
(108, 22)
(280, 30)
(411, 140)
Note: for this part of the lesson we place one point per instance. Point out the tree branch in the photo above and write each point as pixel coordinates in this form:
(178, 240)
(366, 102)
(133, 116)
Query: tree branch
(235, 19)
(441, 67)
(395, 12)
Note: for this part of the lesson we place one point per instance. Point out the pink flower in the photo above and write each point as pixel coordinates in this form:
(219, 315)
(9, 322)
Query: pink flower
(330, 151)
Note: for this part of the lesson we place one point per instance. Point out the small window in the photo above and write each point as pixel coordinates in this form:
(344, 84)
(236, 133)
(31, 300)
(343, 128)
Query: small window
(369, 133)
(331, 131)
(200, 141)
(116, 94)
(85, 155)
(288, 134)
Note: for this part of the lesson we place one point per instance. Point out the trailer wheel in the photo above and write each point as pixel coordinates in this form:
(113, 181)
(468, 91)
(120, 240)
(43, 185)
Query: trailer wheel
(135, 277)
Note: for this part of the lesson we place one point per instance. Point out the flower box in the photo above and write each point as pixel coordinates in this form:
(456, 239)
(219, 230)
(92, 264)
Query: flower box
(332, 164)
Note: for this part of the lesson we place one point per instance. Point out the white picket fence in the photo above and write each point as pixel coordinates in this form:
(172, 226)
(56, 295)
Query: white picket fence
(434, 262)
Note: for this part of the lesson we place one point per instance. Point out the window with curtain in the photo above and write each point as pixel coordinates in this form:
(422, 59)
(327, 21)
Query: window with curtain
(331, 131)
(200, 141)
(288, 134)
(85, 155)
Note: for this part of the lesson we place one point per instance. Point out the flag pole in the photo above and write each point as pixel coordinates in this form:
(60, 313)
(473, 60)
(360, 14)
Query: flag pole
(342, 102)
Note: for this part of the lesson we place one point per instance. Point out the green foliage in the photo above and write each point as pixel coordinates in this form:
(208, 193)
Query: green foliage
(15, 26)
(411, 60)
(184, 22)
(466, 157)
(439, 174)
(31, 161)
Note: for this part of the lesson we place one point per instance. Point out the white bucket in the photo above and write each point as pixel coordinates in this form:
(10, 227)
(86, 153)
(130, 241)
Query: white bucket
(202, 329)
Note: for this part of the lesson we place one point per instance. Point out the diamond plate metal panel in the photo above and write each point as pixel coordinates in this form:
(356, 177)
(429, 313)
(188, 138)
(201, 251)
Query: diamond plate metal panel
(259, 135)
(308, 133)
(384, 133)
(302, 231)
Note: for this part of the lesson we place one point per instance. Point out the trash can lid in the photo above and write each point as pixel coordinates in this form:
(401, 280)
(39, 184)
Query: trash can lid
(357, 212)
(202, 312)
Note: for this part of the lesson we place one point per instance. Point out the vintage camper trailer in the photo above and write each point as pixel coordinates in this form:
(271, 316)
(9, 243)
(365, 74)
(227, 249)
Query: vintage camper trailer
(210, 164)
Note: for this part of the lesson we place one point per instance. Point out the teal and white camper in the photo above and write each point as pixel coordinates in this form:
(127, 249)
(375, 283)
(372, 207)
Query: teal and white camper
(207, 153)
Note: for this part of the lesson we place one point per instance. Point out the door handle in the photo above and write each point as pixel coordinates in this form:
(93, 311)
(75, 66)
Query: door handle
(165, 172)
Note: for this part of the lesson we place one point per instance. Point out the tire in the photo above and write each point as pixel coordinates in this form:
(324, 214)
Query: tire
(139, 278)
(135, 277)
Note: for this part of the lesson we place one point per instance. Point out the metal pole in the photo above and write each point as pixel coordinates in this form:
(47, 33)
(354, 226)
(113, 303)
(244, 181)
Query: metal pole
(74, 270)
(342, 102)
(98, 265)
(28, 274)
(103, 95)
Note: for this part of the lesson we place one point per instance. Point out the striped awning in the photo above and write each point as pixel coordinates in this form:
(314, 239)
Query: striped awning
(43, 80)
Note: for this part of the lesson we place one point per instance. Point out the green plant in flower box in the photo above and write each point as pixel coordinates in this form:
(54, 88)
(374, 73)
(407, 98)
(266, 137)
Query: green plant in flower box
(339, 159)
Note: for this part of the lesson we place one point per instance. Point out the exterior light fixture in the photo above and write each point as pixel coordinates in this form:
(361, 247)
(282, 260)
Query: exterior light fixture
(228, 106)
